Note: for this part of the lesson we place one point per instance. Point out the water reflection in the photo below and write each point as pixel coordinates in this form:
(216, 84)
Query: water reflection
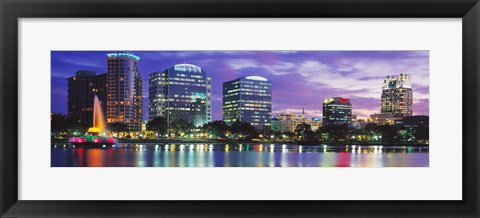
(240, 155)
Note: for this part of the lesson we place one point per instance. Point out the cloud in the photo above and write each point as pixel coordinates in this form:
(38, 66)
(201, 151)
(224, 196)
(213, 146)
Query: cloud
(82, 61)
(365, 76)
(359, 78)
(288, 52)
(277, 69)
(308, 113)
(56, 74)
(238, 64)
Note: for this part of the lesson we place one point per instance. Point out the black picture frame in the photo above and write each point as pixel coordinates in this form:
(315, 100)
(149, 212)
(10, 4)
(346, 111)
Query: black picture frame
(12, 10)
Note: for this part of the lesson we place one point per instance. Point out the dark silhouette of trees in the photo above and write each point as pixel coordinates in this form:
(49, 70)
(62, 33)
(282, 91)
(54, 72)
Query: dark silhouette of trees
(421, 133)
(217, 129)
(158, 125)
(388, 133)
(305, 134)
(181, 127)
(117, 127)
(59, 122)
(243, 130)
(334, 133)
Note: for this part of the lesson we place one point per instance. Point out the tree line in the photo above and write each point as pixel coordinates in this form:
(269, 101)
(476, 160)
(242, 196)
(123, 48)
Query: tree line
(220, 130)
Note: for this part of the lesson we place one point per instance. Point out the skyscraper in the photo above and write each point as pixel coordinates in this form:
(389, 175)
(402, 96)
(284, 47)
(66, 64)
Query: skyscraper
(124, 91)
(337, 110)
(397, 96)
(248, 99)
(81, 89)
(182, 92)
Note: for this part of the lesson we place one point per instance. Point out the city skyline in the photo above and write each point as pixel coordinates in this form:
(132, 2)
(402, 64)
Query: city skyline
(300, 79)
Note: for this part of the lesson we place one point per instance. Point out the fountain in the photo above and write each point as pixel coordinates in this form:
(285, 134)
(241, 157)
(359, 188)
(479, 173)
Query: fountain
(98, 119)
(95, 136)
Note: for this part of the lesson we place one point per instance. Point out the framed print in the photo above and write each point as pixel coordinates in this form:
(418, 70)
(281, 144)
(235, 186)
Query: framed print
(268, 108)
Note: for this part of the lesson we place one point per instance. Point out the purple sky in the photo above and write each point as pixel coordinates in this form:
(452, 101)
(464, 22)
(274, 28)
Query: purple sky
(300, 79)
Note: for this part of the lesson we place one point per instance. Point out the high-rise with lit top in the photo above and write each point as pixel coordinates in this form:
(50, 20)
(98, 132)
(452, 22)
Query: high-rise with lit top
(249, 100)
(397, 96)
(182, 92)
(337, 111)
(124, 91)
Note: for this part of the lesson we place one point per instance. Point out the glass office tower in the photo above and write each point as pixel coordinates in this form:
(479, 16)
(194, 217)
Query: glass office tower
(337, 111)
(182, 92)
(248, 99)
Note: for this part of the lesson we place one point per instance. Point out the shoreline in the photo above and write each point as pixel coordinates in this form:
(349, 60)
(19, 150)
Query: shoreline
(260, 142)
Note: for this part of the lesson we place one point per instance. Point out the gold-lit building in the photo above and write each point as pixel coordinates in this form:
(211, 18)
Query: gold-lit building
(383, 119)
(397, 96)
(124, 91)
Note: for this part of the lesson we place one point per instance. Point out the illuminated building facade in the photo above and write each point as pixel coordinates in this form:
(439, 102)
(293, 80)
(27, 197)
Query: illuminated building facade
(383, 119)
(397, 96)
(337, 111)
(182, 92)
(81, 90)
(413, 121)
(124, 91)
(288, 122)
(249, 100)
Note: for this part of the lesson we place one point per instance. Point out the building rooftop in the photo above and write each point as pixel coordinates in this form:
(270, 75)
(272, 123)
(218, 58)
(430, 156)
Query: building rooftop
(187, 68)
(123, 55)
(259, 78)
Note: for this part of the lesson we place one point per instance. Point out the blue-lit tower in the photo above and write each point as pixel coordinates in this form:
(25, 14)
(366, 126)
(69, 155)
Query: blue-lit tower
(182, 92)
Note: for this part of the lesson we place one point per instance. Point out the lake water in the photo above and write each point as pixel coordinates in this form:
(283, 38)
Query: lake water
(239, 155)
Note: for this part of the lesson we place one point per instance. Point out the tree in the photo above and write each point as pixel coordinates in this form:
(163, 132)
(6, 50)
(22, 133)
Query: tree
(421, 133)
(216, 129)
(181, 127)
(117, 127)
(335, 132)
(243, 130)
(62, 123)
(158, 125)
(287, 135)
(388, 132)
(304, 132)
(58, 122)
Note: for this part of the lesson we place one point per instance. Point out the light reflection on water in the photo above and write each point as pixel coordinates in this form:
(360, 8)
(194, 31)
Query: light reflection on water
(239, 155)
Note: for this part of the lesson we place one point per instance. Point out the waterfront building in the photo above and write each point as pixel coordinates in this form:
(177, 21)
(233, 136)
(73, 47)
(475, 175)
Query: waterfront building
(248, 99)
(182, 92)
(355, 122)
(276, 125)
(383, 119)
(288, 122)
(337, 111)
(81, 90)
(124, 91)
(397, 96)
(360, 124)
(413, 121)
